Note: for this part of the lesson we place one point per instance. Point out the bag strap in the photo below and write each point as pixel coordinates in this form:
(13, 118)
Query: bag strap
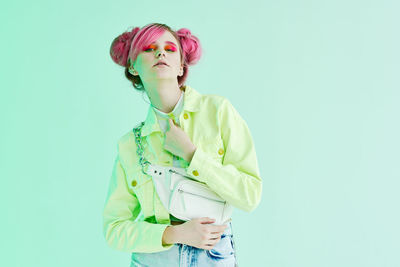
(139, 148)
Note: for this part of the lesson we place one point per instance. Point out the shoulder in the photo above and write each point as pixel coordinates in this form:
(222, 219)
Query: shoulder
(211, 104)
(214, 100)
(222, 104)
(199, 99)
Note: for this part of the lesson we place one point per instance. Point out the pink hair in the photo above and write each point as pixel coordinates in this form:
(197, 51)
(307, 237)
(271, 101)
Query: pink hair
(126, 47)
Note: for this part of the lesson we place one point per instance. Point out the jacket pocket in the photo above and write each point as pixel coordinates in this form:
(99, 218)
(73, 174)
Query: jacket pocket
(141, 186)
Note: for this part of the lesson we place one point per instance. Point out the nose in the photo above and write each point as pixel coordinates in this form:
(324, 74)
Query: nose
(159, 53)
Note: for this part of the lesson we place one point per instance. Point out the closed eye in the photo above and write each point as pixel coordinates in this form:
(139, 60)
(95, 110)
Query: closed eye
(148, 49)
(168, 48)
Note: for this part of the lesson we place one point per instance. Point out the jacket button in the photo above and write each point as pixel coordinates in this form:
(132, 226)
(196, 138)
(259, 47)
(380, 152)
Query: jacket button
(195, 173)
(134, 183)
(185, 116)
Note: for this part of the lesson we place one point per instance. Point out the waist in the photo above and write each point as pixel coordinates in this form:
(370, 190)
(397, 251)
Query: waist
(152, 219)
(174, 220)
(228, 230)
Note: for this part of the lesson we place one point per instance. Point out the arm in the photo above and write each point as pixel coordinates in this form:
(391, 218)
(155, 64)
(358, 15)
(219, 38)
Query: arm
(121, 208)
(237, 178)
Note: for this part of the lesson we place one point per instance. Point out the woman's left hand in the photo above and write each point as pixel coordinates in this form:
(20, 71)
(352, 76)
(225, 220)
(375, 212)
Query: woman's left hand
(178, 142)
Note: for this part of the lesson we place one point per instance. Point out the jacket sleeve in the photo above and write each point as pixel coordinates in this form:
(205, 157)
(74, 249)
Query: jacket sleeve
(121, 209)
(237, 178)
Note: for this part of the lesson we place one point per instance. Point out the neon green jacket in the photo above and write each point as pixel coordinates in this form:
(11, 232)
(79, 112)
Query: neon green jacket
(225, 159)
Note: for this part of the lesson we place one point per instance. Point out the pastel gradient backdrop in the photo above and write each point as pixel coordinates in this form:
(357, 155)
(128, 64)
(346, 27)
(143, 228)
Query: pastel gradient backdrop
(316, 81)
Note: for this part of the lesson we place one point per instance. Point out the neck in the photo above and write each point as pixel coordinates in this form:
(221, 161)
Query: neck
(164, 94)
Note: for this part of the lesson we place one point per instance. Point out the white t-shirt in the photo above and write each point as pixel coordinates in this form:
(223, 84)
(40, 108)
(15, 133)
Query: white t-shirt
(163, 117)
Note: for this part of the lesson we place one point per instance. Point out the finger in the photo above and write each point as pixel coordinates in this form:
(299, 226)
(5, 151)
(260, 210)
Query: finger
(175, 123)
(208, 246)
(214, 236)
(171, 122)
(216, 240)
(211, 243)
(205, 220)
(216, 231)
(218, 228)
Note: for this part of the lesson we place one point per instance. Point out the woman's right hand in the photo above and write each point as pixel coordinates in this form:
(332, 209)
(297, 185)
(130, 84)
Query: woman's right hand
(199, 232)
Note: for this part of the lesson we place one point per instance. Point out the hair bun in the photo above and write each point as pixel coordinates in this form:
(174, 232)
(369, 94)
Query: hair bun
(190, 45)
(120, 46)
(184, 32)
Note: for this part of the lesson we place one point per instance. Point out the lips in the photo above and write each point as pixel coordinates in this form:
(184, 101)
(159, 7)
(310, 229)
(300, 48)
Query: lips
(160, 63)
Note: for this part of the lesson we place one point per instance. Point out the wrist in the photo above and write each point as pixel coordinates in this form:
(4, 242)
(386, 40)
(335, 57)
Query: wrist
(170, 235)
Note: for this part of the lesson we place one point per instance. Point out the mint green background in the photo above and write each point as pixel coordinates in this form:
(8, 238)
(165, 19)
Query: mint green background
(316, 81)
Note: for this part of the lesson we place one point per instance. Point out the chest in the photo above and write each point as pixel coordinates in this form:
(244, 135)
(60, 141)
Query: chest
(203, 131)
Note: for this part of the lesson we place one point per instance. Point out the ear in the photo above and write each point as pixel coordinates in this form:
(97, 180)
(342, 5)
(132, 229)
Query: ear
(181, 71)
(131, 69)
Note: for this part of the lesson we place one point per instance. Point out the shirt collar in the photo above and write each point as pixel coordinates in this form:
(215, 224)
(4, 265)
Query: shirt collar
(191, 102)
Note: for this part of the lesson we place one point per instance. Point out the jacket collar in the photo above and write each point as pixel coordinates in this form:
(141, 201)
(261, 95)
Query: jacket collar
(191, 103)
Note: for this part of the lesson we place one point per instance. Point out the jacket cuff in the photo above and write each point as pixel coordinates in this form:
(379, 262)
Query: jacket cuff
(197, 168)
(156, 237)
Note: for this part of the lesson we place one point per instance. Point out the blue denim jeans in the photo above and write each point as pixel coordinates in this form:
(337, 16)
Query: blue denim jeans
(222, 254)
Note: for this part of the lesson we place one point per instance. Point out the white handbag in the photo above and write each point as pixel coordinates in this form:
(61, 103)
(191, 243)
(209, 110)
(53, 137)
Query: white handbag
(183, 196)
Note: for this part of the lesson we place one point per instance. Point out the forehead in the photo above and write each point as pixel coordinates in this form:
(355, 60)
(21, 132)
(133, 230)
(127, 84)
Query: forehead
(167, 38)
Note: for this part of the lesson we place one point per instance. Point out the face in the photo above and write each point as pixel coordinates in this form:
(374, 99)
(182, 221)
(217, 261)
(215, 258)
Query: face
(165, 48)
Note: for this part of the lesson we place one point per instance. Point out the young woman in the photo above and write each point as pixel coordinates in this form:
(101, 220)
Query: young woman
(202, 133)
